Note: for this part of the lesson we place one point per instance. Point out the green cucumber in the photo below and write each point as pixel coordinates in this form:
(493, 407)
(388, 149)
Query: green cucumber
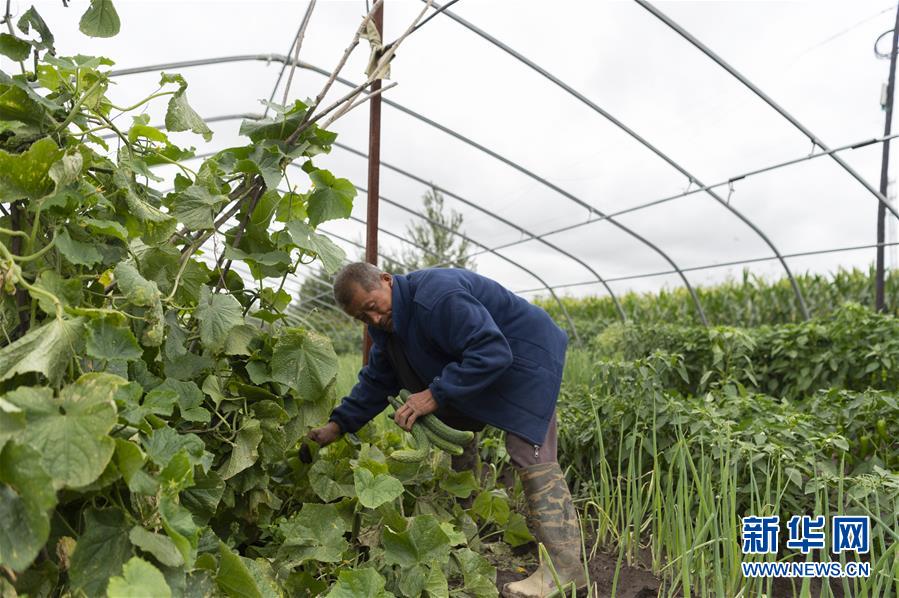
(444, 444)
(432, 422)
(422, 447)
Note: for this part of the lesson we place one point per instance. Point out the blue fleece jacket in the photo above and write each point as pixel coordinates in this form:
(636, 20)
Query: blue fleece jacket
(487, 352)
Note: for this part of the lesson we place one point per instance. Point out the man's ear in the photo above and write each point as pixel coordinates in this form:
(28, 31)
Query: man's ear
(388, 278)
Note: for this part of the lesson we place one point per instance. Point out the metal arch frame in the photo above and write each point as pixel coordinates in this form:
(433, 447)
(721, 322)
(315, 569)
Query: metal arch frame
(642, 141)
(652, 203)
(767, 99)
(509, 223)
(460, 235)
(531, 236)
(479, 244)
(451, 132)
(473, 242)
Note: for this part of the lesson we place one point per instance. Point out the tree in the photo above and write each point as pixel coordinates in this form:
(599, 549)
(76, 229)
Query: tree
(435, 241)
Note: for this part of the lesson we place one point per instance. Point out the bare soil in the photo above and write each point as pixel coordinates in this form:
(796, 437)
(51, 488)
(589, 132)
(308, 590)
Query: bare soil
(633, 582)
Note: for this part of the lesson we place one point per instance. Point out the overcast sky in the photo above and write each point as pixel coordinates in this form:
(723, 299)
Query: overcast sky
(815, 58)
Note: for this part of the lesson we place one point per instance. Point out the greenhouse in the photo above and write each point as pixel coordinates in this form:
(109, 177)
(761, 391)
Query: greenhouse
(407, 298)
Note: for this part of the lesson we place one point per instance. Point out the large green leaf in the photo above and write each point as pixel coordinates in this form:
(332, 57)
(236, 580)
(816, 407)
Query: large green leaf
(139, 579)
(304, 361)
(375, 490)
(281, 126)
(196, 207)
(478, 574)
(315, 533)
(14, 48)
(330, 480)
(19, 103)
(78, 252)
(70, 432)
(245, 451)
(262, 158)
(423, 541)
(165, 442)
(101, 551)
(459, 483)
(137, 289)
(109, 228)
(12, 421)
(493, 506)
(331, 199)
(27, 175)
(188, 395)
(158, 545)
(100, 20)
(106, 340)
(146, 220)
(217, 314)
(46, 350)
(181, 528)
(180, 116)
(233, 577)
(67, 290)
(314, 243)
(516, 532)
(26, 496)
(29, 20)
(130, 461)
(202, 499)
(359, 582)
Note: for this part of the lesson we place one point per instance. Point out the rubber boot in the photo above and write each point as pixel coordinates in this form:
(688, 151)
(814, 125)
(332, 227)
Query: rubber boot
(555, 525)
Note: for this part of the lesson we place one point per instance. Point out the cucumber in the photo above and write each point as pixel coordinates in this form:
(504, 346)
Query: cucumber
(443, 444)
(432, 422)
(457, 437)
(422, 447)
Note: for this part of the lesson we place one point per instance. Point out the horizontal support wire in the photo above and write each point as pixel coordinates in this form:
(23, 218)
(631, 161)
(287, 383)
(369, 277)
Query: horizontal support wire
(797, 292)
(655, 202)
(508, 162)
(716, 265)
(765, 98)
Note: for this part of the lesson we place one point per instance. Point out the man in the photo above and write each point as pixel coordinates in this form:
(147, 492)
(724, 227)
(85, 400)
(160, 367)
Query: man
(473, 352)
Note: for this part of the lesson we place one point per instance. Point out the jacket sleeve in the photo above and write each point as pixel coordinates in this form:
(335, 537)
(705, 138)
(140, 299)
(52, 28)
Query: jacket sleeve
(462, 327)
(369, 396)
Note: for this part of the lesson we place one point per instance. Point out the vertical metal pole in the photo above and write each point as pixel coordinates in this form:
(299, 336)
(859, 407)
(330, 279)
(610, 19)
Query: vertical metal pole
(374, 168)
(879, 302)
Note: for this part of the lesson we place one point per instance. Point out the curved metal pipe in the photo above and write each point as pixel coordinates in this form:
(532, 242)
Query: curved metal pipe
(645, 143)
(459, 136)
(495, 216)
(470, 240)
(768, 100)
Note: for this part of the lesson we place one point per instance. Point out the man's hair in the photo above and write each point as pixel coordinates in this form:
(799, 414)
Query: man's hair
(361, 274)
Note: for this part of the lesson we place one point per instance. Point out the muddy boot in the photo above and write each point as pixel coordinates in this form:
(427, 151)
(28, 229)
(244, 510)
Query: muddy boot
(555, 525)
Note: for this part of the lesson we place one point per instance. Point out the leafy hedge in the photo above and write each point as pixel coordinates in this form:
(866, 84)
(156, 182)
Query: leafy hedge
(749, 302)
(854, 348)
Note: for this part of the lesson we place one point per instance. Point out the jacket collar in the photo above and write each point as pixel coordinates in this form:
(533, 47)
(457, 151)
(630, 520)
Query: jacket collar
(401, 305)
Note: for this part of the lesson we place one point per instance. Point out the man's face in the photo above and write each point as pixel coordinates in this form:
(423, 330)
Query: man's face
(374, 307)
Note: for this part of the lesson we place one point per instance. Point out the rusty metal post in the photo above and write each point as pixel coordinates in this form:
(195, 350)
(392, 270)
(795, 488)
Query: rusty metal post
(374, 169)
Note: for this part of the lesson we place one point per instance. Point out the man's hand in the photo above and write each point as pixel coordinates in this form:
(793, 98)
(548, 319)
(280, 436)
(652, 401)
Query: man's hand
(326, 434)
(417, 405)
